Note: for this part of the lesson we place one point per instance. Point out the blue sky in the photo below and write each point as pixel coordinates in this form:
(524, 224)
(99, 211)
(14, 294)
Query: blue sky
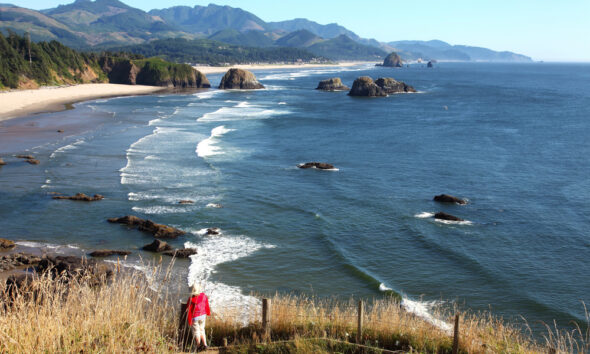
(543, 29)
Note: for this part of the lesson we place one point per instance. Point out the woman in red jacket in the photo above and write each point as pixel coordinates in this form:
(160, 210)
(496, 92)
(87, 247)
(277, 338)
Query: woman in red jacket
(198, 310)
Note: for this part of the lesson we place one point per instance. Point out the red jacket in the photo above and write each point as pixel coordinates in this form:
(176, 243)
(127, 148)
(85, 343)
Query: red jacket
(196, 306)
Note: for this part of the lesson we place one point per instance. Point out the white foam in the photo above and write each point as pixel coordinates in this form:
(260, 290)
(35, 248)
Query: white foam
(163, 209)
(66, 148)
(424, 215)
(208, 94)
(451, 222)
(212, 251)
(241, 111)
(208, 147)
(282, 103)
(43, 245)
(214, 205)
(422, 309)
(383, 287)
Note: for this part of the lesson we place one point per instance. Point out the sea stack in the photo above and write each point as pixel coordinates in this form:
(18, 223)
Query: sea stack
(238, 79)
(393, 60)
(364, 86)
(333, 84)
(390, 85)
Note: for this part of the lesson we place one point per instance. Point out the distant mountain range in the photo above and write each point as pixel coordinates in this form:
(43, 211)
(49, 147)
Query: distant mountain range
(85, 24)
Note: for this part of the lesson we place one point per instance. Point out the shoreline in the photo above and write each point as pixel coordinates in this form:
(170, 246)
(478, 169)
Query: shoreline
(254, 67)
(21, 103)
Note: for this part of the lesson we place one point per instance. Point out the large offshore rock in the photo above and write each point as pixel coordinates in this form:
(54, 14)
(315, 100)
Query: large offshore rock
(364, 86)
(332, 84)
(393, 60)
(239, 79)
(390, 85)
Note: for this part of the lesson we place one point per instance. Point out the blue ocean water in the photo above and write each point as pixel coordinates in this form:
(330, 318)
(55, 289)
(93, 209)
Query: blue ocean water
(510, 138)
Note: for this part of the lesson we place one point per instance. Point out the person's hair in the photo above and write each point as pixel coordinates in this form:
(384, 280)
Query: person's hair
(195, 289)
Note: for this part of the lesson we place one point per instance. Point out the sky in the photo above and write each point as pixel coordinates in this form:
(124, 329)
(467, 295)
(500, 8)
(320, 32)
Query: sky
(546, 30)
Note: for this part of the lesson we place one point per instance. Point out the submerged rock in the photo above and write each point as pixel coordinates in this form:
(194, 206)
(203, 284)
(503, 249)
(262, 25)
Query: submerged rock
(318, 165)
(157, 246)
(186, 202)
(333, 84)
(181, 253)
(393, 60)
(33, 161)
(158, 230)
(213, 231)
(390, 85)
(81, 197)
(444, 216)
(446, 198)
(107, 253)
(26, 157)
(364, 86)
(240, 79)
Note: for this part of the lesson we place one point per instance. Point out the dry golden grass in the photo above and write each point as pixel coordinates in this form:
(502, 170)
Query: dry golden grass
(127, 314)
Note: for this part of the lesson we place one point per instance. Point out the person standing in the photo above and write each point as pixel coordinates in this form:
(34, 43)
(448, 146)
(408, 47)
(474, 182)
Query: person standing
(198, 310)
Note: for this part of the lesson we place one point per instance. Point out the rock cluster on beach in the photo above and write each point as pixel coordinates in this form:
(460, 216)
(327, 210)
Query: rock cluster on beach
(81, 197)
(393, 60)
(158, 230)
(6, 244)
(332, 84)
(14, 260)
(239, 79)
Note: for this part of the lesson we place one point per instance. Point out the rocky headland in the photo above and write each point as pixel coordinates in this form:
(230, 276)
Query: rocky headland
(239, 79)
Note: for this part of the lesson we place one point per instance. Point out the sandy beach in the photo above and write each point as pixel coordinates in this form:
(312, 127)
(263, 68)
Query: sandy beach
(50, 99)
(253, 67)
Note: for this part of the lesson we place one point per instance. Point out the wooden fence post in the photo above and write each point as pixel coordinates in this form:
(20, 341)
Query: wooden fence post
(456, 336)
(266, 318)
(359, 333)
(185, 336)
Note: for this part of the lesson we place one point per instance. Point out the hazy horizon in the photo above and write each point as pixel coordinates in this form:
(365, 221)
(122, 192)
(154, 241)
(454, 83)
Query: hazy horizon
(500, 25)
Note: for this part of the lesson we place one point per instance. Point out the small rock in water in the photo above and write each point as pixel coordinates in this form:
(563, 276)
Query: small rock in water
(157, 246)
(444, 216)
(107, 253)
(26, 157)
(318, 165)
(186, 202)
(181, 253)
(60, 131)
(81, 197)
(446, 198)
(2, 163)
(33, 161)
(213, 231)
(158, 230)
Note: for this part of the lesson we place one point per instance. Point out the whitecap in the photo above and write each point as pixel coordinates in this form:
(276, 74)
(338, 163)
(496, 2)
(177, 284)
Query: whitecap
(422, 309)
(208, 147)
(65, 148)
(162, 209)
(424, 215)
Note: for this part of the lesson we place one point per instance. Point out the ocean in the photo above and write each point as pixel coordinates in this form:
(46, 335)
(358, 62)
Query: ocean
(512, 139)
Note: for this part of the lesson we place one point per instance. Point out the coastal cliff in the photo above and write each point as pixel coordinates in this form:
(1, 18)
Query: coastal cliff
(29, 65)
